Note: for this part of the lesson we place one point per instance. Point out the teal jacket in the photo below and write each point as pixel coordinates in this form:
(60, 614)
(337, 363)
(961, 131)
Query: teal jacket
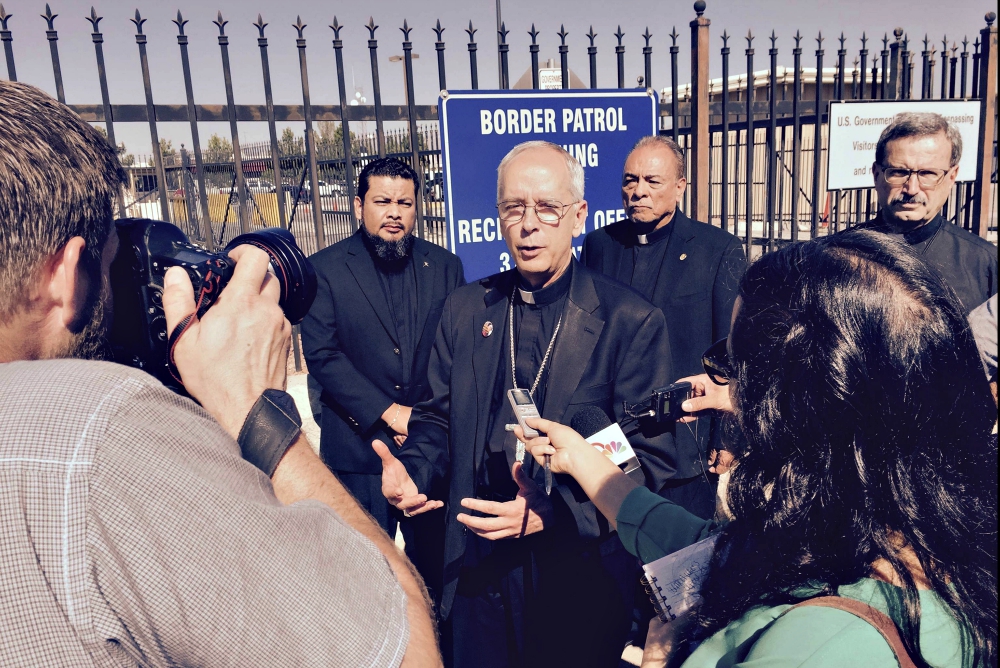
(811, 637)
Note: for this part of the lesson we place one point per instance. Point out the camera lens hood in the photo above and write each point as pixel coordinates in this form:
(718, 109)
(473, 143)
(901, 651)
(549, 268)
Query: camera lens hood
(295, 273)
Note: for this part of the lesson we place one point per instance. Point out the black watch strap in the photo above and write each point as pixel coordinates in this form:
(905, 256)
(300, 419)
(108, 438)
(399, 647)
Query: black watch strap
(269, 430)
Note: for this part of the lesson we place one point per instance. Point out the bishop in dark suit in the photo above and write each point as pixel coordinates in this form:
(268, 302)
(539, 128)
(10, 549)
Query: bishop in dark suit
(688, 269)
(531, 579)
(368, 336)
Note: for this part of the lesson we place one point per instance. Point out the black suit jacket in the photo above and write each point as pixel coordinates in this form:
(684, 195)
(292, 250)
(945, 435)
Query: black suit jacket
(612, 347)
(352, 349)
(697, 285)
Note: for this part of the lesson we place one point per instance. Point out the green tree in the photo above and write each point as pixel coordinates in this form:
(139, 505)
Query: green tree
(126, 158)
(290, 143)
(167, 149)
(219, 149)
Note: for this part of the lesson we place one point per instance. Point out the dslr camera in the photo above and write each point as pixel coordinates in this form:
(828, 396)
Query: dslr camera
(147, 248)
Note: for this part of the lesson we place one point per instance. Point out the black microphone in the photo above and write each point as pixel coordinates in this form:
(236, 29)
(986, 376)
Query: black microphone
(593, 424)
(589, 420)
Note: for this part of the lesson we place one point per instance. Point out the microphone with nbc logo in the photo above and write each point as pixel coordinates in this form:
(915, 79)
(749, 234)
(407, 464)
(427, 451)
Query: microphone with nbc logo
(608, 437)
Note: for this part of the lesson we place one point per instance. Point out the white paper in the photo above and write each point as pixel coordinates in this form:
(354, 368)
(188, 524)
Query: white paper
(676, 579)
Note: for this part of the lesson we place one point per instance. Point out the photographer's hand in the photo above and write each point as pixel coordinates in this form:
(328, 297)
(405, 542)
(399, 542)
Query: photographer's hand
(240, 347)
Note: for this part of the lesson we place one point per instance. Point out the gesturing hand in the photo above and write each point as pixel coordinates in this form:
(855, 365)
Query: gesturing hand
(397, 486)
(240, 347)
(528, 513)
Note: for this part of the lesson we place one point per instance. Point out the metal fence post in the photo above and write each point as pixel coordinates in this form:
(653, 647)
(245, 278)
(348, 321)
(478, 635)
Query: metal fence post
(533, 50)
(700, 144)
(895, 66)
(316, 203)
(563, 57)
(376, 86)
(675, 102)
(161, 175)
(102, 77)
(724, 177)
(772, 141)
(205, 228)
(265, 64)
(647, 57)
(987, 124)
(241, 184)
(345, 127)
(797, 131)
(8, 47)
(751, 145)
(411, 115)
(965, 66)
(53, 36)
(620, 54)
(439, 48)
(863, 70)
(817, 137)
(503, 48)
(592, 54)
(473, 66)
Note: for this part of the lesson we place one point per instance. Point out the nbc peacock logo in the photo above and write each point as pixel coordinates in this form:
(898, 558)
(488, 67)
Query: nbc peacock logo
(612, 448)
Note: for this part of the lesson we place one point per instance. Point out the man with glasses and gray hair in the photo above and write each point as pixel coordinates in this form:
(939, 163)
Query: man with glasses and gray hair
(516, 559)
(916, 163)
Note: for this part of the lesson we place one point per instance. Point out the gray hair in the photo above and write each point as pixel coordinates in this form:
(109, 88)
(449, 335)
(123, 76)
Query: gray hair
(59, 180)
(662, 141)
(919, 124)
(576, 176)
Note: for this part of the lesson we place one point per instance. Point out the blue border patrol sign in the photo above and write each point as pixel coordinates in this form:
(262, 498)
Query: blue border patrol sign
(478, 128)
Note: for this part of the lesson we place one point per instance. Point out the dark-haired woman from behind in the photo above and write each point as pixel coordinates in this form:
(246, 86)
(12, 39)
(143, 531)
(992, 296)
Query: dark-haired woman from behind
(868, 472)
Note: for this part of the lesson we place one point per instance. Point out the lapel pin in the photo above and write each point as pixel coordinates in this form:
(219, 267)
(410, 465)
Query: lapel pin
(426, 263)
(487, 328)
(684, 256)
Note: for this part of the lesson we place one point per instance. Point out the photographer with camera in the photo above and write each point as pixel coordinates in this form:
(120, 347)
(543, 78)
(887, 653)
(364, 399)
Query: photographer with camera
(140, 528)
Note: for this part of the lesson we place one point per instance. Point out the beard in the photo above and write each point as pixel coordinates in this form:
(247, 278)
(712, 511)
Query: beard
(388, 251)
(91, 341)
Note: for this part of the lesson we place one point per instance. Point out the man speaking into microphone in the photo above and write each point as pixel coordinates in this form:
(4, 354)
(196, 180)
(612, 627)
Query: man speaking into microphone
(514, 556)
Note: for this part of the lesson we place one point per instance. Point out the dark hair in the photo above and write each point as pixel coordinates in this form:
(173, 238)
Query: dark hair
(867, 421)
(919, 124)
(391, 167)
(59, 180)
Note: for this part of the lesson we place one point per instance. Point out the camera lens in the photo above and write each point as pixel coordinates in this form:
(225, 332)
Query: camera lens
(293, 270)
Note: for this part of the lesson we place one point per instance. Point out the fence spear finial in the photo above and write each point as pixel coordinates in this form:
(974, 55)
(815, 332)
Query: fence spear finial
(647, 35)
(406, 29)
(260, 25)
(819, 44)
(842, 40)
(798, 39)
(619, 34)
(299, 25)
(372, 27)
(725, 39)
(562, 34)
(774, 38)
(4, 17)
(749, 39)
(336, 28)
(534, 34)
(94, 18)
(472, 32)
(591, 35)
(221, 22)
(179, 22)
(49, 16)
(138, 21)
(438, 30)
(503, 32)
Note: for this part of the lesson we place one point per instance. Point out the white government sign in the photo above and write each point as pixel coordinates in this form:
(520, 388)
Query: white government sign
(856, 126)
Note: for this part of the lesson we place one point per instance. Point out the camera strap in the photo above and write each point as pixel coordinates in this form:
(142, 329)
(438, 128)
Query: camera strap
(175, 336)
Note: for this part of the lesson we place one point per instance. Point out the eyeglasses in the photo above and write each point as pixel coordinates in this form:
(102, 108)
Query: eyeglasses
(927, 178)
(717, 364)
(549, 212)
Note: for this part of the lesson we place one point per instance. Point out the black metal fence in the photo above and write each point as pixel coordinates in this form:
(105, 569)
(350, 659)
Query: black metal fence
(754, 166)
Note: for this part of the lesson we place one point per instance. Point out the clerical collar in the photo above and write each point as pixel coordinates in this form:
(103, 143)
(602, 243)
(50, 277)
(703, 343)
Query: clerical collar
(922, 233)
(644, 235)
(548, 294)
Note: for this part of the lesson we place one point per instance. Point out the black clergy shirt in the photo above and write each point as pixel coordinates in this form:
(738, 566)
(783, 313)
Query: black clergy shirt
(534, 325)
(639, 266)
(400, 288)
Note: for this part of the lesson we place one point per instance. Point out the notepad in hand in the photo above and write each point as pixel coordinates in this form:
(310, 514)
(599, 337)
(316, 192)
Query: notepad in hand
(674, 582)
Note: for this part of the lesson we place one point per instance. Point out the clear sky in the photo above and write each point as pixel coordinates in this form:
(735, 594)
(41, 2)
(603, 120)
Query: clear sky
(955, 19)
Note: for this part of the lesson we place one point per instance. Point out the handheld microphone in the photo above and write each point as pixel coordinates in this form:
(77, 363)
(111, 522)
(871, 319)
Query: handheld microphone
(607, 436)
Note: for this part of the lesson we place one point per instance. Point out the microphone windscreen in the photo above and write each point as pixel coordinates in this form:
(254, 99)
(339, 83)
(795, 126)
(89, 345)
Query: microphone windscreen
(589, 420)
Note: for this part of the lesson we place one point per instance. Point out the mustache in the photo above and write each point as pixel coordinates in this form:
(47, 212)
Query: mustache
(906, 198)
